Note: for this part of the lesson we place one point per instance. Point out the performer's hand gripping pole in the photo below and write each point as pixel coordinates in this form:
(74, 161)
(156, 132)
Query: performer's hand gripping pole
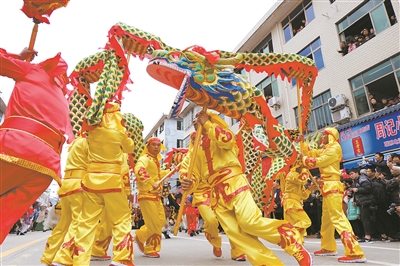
(189, 175)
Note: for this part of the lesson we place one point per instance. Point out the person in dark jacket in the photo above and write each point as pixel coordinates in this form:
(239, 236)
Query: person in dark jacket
(278, 209)
(362, 191)
(380, 164)
(380, 218)
(393, 188)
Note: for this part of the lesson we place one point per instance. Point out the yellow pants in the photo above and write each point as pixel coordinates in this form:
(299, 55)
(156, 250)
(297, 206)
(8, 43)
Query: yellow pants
(210, 225)
(243, 224)
(154, 220)
(295, 214)
(71, 208)
(212, 231)
(77, 250)
(334, 218)
(103, 236)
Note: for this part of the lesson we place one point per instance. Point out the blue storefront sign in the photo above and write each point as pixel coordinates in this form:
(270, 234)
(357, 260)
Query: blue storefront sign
(365, 138)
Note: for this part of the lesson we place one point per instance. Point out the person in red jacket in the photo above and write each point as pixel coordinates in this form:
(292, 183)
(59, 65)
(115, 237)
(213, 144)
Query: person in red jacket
(192, 216)
(33, 132)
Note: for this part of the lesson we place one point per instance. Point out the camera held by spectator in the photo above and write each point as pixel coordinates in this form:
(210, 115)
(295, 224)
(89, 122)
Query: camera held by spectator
(392, 209)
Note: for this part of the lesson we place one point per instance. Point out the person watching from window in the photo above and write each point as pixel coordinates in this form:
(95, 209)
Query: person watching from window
(376, 105)
(393, 20)
(343, 48)
(360, 40)
(384, 102)
(351, 44)
(371, 33)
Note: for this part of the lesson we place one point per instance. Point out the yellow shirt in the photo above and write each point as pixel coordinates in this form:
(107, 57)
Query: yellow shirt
(75, 167)
(106, 149)
(293, 186)
(217, 164)
(147, 171)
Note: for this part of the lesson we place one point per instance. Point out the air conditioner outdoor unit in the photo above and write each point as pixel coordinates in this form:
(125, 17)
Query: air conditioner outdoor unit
(273, 102)
(341, 116)
(337, 101)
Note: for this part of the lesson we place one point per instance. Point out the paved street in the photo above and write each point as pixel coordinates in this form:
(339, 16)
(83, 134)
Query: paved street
(185, 250)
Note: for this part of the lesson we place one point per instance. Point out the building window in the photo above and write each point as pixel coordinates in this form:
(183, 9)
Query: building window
(179, 143)
(332, 1)
(161, 130)
(320, 115)
(155, 134)
(377, 15)
(298, 19)
(186, 141)
(280, 119)
(188, 120)
(179, 125)
(269, 86)
(265, 46)
(314, 52)
(234, 121)
(379, 82)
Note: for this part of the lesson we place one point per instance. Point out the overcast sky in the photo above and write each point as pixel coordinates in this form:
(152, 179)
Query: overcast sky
(80, 29)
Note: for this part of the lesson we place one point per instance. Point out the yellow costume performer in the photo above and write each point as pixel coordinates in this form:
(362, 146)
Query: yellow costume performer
(103, 191)
(294, 193)
(148, 174)
(70, 198)
(217, 162)
(201, 200)
(328, 160)
(104, 229)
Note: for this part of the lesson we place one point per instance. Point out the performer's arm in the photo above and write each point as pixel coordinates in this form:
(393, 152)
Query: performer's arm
(127, 144)
(12, 66)
(141, 172)
(329, 157)
(184, 171)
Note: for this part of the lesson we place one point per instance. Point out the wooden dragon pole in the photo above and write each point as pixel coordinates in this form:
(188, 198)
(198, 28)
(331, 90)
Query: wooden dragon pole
(189, 175)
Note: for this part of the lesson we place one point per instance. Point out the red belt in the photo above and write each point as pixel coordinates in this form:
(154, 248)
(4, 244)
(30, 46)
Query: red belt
(36, 129)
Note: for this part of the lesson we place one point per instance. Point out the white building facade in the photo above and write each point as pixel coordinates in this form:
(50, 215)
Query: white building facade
(341, 92)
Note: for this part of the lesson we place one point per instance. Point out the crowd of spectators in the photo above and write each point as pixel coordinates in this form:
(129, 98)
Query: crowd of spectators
(353, 42)
(373, 200)
(32, 220)
(302, 25)
(377, 105)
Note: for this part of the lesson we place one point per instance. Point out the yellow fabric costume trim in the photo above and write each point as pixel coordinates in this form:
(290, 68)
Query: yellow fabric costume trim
(30, 165)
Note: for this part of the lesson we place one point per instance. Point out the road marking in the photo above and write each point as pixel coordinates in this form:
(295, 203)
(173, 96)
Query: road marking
(10, 251)
(381, 263)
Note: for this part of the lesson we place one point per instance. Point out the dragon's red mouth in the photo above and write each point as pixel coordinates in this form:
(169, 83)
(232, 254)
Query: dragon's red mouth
(165, 74)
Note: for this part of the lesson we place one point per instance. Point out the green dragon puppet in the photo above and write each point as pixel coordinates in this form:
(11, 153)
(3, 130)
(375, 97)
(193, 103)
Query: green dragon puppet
(208, 79)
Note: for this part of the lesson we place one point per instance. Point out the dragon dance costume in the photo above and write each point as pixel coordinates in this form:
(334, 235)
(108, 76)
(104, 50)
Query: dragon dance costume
(293, 195)
(32, 135)
(217, 162)
(148, 172)
(103, 191)
(104, 229)
(70, 195)
(328, 160)
(201, 200)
